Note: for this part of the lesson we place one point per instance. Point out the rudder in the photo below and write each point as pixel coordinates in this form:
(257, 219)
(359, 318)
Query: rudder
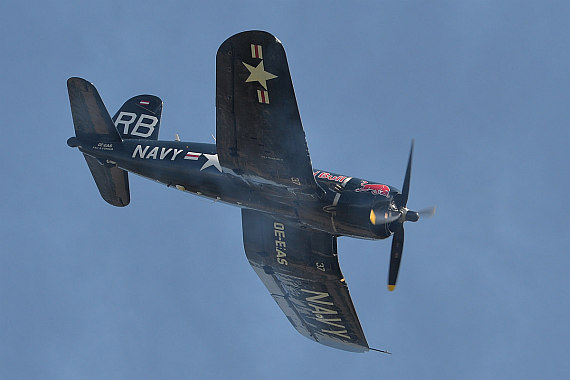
(139, 117)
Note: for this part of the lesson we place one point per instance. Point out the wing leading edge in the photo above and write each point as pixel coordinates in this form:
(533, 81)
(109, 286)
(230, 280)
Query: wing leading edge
(300, 269)
(258, 127)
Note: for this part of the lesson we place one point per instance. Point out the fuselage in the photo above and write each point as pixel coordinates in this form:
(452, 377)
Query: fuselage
(342, 207)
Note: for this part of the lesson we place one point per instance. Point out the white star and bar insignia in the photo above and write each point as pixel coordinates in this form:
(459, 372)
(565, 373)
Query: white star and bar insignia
(192, 156)
(212, 161)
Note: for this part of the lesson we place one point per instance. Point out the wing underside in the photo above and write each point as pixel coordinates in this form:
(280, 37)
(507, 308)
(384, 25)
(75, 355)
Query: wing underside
(300, 269)
(259, 134)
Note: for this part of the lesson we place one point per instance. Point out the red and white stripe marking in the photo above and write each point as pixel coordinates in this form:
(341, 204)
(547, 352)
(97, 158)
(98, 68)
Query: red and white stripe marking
(144, 102)
(263, 96)
(192, 156)
(256, 51)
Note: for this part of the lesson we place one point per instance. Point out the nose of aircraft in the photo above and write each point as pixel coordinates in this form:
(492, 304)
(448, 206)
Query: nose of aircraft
(384, 211)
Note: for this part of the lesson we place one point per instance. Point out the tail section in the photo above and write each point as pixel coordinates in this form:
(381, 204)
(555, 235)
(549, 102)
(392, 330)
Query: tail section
(139, 118)
(93, 125)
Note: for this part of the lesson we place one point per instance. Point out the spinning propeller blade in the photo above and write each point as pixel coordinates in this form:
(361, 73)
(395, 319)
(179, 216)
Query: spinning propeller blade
(396, 256)
(395, 215)
(427, 212)
(401, 200)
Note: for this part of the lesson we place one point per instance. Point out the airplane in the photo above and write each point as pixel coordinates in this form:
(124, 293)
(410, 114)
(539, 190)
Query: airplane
(292, 214)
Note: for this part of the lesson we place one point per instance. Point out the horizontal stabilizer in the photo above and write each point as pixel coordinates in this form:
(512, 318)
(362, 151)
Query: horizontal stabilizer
(93, 124)
(112, 182)
(90, 117)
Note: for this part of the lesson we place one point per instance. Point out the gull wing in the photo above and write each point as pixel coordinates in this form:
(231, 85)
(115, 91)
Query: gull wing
(299, 266)
(259, 134)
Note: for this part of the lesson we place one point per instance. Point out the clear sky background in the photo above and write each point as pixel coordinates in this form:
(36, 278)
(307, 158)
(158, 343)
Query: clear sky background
(161, 289)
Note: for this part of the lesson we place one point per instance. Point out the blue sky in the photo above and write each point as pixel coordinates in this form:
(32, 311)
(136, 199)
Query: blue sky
(162, 288)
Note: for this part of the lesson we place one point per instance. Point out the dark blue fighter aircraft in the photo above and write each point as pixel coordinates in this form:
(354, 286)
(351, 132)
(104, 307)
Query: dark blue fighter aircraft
(292, 214)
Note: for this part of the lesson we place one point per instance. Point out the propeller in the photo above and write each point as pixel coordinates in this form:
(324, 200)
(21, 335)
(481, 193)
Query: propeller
(400, 200)
(395, 216)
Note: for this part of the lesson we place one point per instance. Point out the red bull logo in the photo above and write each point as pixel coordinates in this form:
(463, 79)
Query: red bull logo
(330, 177)
(375, 189)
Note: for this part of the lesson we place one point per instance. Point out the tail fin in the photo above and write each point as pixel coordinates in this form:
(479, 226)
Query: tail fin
(139, 117)
(93, 124)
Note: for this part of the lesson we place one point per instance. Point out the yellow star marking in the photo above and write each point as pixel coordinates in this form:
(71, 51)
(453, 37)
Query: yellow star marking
(258, 74)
